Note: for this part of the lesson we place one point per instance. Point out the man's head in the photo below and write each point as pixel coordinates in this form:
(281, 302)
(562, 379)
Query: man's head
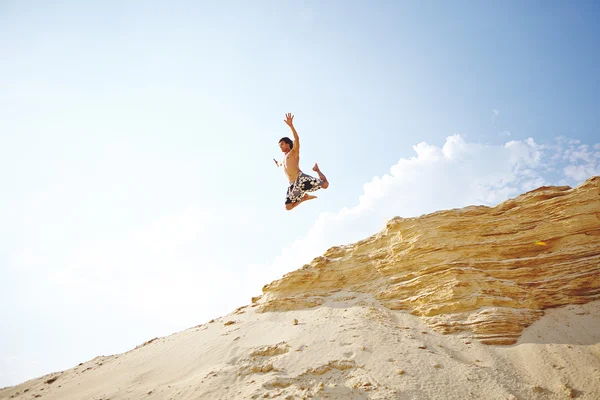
(286, 144)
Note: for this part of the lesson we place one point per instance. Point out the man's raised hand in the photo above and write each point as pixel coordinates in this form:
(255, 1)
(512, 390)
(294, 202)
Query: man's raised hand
(289, 119)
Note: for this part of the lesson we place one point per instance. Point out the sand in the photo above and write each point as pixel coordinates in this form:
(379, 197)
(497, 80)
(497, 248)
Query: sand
(350, 347)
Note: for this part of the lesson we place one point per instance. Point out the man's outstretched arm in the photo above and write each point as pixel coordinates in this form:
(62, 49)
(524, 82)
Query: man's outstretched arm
(289, 119)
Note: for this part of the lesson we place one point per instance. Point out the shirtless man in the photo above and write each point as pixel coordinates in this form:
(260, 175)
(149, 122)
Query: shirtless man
(300, 183)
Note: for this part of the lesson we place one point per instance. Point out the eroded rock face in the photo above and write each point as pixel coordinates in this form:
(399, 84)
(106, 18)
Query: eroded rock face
(490, 271)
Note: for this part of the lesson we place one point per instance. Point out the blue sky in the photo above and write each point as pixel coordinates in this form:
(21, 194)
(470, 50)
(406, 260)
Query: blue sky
(139, 195)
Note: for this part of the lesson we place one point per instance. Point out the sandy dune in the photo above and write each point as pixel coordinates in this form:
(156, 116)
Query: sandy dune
(350, 347)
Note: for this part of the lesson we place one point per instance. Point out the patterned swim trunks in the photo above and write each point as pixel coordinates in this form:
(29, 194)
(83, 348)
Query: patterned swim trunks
(303, 183)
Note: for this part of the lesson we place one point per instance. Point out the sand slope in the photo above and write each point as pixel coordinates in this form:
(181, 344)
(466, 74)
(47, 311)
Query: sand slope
(350, 347)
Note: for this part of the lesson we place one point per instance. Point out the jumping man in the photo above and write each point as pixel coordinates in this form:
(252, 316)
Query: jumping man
(300, 183)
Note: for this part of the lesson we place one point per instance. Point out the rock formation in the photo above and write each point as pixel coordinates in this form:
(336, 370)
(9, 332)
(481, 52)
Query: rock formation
(490, 271)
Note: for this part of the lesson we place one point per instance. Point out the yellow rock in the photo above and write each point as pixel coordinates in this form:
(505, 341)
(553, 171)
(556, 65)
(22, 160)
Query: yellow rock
(471, 269)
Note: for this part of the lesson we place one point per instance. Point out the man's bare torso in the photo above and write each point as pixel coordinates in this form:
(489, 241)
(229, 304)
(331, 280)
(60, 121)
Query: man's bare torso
(291, 165)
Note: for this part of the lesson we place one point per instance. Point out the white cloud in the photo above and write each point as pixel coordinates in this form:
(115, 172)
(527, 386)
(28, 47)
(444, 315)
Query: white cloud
(583, 159)
(581, 172)
(455, 175)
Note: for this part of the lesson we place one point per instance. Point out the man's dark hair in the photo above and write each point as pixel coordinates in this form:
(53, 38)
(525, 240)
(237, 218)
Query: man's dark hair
(288, 141)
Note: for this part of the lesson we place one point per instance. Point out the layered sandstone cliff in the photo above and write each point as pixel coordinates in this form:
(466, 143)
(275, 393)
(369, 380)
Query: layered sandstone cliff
(486, 271)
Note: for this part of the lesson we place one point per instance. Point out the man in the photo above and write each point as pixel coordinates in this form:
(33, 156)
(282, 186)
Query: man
(300, 183)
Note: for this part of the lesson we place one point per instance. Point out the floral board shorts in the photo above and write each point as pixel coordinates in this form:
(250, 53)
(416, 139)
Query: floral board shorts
(303, 183)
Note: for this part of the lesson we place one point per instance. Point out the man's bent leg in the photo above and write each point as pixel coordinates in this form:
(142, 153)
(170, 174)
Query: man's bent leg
(306, 196)
(322, 177)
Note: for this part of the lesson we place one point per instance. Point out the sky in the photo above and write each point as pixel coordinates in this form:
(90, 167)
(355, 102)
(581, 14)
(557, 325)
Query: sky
(139, 196)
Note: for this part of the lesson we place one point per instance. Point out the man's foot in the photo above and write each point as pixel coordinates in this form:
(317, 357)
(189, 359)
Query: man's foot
(322, 177)
(308, 197)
